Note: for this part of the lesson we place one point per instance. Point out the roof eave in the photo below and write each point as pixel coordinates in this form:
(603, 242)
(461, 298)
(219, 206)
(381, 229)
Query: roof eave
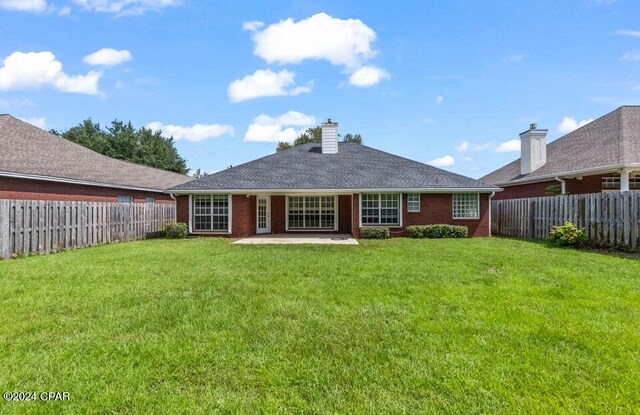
(77, 181)
(581, 172)
(335, 191)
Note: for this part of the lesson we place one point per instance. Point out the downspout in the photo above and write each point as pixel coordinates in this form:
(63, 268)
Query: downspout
(563, 185)
(490, 197)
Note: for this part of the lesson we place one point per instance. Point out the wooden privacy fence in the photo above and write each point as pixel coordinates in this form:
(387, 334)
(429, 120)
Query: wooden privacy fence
(607, 218)
(32, 226)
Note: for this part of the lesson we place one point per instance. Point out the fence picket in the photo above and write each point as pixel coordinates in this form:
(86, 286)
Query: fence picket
(41, 226)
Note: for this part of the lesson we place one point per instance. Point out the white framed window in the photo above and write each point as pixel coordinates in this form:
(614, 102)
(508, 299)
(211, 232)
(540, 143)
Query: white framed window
(125, 199)
(614, 183)
(466, 206)
(311, 212)
(380, 208)
(413, 202)
(210, 213)
(149, 199)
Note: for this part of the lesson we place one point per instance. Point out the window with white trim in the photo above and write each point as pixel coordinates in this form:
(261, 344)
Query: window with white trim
(380, 209)
(211, 213)
(413, 202)
(149, 199)
(466, 206)
(614, 183)
(311, 212)
(125, 199)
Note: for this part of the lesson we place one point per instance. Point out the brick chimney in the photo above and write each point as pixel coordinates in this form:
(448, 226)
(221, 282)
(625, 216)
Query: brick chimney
(533, 149)
(329, 137)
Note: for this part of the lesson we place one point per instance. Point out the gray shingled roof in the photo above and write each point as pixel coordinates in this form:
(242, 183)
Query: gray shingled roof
(354, 167)
(611, 140)
(28, 150)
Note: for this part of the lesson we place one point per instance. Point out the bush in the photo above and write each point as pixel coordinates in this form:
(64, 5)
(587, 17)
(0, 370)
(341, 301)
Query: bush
(437, 231)
(175, 230)
(375, 232)
(567, 235)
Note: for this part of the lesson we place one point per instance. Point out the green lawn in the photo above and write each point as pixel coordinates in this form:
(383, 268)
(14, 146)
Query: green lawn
(398, 326)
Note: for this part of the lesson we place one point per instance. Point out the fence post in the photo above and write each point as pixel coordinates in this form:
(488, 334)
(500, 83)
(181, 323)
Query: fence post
(5, 231)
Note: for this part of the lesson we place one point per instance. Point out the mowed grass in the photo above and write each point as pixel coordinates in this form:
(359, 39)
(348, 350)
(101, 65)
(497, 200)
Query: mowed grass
(397, 326)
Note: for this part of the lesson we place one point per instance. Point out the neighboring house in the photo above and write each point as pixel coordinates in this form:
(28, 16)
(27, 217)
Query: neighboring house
(37, 165)
(603, 155)
(331, 187)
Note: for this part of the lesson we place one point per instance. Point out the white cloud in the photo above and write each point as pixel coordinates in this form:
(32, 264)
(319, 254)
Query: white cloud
(569, 124)
(37, 69)
(24, 5)
(252, 26)
(509, 146)
(108, 57)
(341, 42)
(196, 132)
(38, 122)
(281, 128)
(123, 7)
(463, 147)
(264, 83)
(439, 99)
(514, 58)
(444, 161)
(631, 56)
(632, 33)
(367, 76)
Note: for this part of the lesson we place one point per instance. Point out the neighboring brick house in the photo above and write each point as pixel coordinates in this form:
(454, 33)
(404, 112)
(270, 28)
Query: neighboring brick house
(37, 165)
(331, 187)
(603, 155)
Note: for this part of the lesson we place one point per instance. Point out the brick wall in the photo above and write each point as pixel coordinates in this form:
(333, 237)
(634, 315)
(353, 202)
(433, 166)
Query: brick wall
(438, 209)
(28, 189)
(434, 208)
(588, 184)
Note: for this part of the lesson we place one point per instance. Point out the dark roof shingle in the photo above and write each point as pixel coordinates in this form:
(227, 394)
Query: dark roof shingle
(28, 150)
(355, 166)
(611, 140)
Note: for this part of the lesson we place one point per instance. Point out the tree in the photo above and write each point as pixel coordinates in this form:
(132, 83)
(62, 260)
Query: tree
(198, 174)
(122, 141)
(314, 135)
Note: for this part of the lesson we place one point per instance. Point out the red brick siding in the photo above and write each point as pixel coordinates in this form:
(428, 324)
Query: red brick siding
(588, 184)
(29, 189)
(355, 223)
(344, 213)
(182, 209)
(243, 222)
(438, 209)
(278, 214)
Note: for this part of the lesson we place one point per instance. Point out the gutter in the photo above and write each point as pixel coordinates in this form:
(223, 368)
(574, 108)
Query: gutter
(581, 172)
(335, 191)
(563, 185)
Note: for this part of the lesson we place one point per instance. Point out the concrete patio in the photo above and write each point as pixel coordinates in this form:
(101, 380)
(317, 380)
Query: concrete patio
(301, 238)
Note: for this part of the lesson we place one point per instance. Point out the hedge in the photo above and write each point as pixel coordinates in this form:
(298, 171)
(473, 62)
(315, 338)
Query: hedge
(437, 231)
(375, 232)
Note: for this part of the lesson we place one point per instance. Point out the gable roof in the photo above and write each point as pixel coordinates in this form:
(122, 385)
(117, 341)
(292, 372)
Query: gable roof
(354, 167)
(611, 141)
(29, 152)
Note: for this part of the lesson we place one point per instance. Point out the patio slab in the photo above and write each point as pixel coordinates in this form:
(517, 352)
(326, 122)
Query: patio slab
(300, 238)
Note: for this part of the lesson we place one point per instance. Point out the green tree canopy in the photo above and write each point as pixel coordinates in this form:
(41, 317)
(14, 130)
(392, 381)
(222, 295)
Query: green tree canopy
(122, 141)
(314, 135)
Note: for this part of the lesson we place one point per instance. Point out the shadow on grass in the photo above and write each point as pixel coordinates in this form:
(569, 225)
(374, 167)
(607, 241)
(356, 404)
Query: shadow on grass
(632, 255)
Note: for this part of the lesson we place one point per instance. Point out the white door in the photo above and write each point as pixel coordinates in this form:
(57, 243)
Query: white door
(263, 214)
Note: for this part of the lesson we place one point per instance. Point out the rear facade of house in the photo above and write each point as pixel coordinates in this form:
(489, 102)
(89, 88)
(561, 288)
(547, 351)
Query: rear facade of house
(38, 165)
(601, 156)
(331, 187)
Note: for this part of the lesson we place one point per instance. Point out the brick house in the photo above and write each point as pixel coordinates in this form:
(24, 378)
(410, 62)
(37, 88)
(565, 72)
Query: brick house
(601, 156)
(37, 165)
(331, 187)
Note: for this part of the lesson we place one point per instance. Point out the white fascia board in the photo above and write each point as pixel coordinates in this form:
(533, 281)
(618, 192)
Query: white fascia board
(76, 181)
(581, 172)
(335, 191)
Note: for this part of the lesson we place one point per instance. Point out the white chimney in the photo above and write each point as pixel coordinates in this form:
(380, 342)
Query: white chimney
(533, 149)
(329, 137)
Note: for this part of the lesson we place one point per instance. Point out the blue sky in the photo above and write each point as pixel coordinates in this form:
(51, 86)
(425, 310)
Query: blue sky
(451, 83)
